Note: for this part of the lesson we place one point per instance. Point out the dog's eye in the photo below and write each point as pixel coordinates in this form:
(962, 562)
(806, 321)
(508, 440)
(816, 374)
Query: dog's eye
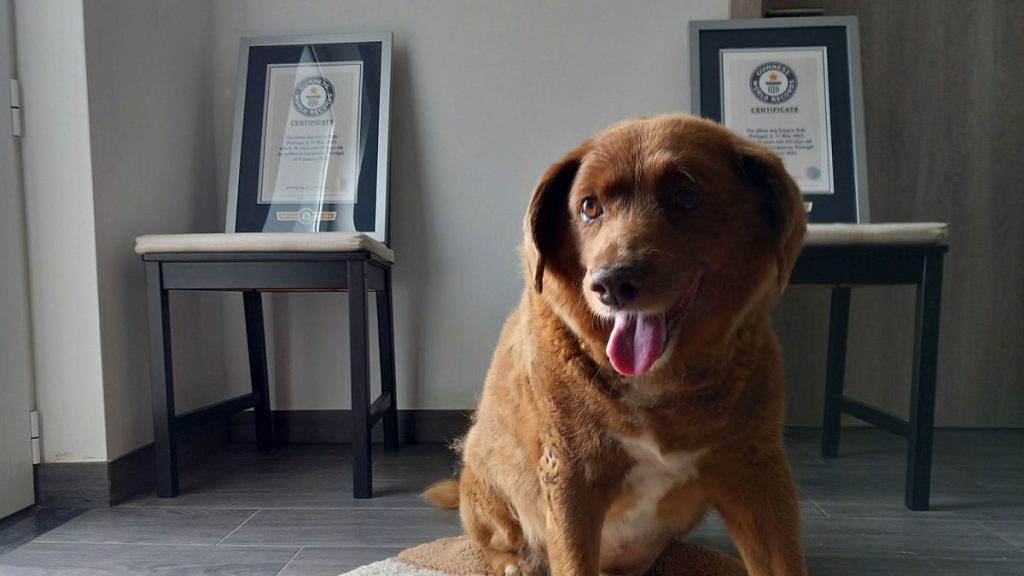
(591, 210)
(687, 199)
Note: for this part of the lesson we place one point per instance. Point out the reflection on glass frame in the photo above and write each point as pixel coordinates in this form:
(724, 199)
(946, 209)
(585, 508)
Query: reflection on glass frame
(310, 146)
(792, 84)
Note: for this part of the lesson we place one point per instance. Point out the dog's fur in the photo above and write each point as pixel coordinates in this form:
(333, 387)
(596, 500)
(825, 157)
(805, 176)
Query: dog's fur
(572, 467)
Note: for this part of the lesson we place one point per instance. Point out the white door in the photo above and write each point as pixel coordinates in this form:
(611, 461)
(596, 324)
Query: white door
(16, 491)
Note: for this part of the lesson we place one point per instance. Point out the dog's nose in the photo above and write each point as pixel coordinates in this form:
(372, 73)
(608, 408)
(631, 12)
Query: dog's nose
(616, 286)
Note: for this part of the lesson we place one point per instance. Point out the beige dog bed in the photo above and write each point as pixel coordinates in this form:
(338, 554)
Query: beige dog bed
(459, 556)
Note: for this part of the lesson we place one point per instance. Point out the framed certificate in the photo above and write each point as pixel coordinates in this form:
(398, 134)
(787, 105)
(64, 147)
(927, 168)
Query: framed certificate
(310, 148)
(792, 84)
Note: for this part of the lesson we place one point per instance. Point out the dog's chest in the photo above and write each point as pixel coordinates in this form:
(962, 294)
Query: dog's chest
(634, 522)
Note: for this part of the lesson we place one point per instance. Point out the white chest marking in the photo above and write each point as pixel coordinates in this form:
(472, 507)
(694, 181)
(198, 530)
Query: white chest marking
(653, 474)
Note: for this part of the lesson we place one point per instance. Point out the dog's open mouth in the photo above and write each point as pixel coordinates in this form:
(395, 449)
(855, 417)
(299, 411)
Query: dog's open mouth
(638, 339)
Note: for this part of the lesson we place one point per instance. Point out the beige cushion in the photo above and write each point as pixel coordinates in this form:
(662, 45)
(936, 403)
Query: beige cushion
(263, 242)
(916, 233)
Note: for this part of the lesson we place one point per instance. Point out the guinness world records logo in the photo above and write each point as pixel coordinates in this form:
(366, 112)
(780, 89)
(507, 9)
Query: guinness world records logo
(306, 216)
(313, 96)
(773, 82)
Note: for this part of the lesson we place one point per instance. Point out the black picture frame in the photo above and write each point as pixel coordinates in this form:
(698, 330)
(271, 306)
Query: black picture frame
(848, 200)
(247, 210)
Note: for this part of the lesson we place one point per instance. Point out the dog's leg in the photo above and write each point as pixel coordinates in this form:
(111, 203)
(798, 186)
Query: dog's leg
(487, 520)
(758, 503)
(576, 508)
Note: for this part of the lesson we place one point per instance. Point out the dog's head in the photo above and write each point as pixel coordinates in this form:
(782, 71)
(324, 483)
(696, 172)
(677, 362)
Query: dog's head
(661, 234)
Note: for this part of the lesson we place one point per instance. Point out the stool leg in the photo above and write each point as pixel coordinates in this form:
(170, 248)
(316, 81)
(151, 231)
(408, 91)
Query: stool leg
(838, 324)
(161, 381)
(358, 341)
(922, 393)
(386, 341)
(256, 340)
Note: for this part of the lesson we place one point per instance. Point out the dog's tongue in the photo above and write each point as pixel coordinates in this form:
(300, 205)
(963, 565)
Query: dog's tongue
(636, 343)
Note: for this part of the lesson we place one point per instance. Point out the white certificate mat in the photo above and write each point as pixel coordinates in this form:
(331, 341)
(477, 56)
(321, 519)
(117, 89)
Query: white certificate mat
(779, 98)
(310, 146)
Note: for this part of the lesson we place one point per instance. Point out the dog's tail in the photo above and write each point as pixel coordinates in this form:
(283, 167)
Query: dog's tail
(443, 494)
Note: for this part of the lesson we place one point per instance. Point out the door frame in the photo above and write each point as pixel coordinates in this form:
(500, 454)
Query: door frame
(17, 489)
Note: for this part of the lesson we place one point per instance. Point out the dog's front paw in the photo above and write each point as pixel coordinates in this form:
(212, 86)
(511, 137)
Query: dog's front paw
(550, 467)
(506, 564)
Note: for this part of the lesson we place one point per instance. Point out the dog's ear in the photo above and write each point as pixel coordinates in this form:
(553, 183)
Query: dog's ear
(547, 218)
(782, 204)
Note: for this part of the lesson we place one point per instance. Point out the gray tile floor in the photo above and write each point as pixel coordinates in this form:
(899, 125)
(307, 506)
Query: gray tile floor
(290, 512)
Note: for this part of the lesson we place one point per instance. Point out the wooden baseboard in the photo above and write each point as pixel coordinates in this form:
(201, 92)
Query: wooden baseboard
(103, 484)
(72, 484)
(335, 426)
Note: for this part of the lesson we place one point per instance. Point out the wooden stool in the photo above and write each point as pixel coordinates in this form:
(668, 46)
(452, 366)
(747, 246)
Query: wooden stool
(281, 262)
(845, 255)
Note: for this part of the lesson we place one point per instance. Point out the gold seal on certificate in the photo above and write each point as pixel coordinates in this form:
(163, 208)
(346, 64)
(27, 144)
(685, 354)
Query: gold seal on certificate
(779, 98)
(310, 147)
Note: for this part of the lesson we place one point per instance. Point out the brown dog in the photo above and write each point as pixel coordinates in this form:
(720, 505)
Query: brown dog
(639, 381)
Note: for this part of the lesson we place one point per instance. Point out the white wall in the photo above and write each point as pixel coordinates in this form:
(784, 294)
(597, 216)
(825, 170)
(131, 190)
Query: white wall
(150, 92)
(60, 228)
(486, 96)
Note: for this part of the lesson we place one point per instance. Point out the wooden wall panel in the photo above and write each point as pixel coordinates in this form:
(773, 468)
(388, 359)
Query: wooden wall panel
(944, 100)
(746, 8)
